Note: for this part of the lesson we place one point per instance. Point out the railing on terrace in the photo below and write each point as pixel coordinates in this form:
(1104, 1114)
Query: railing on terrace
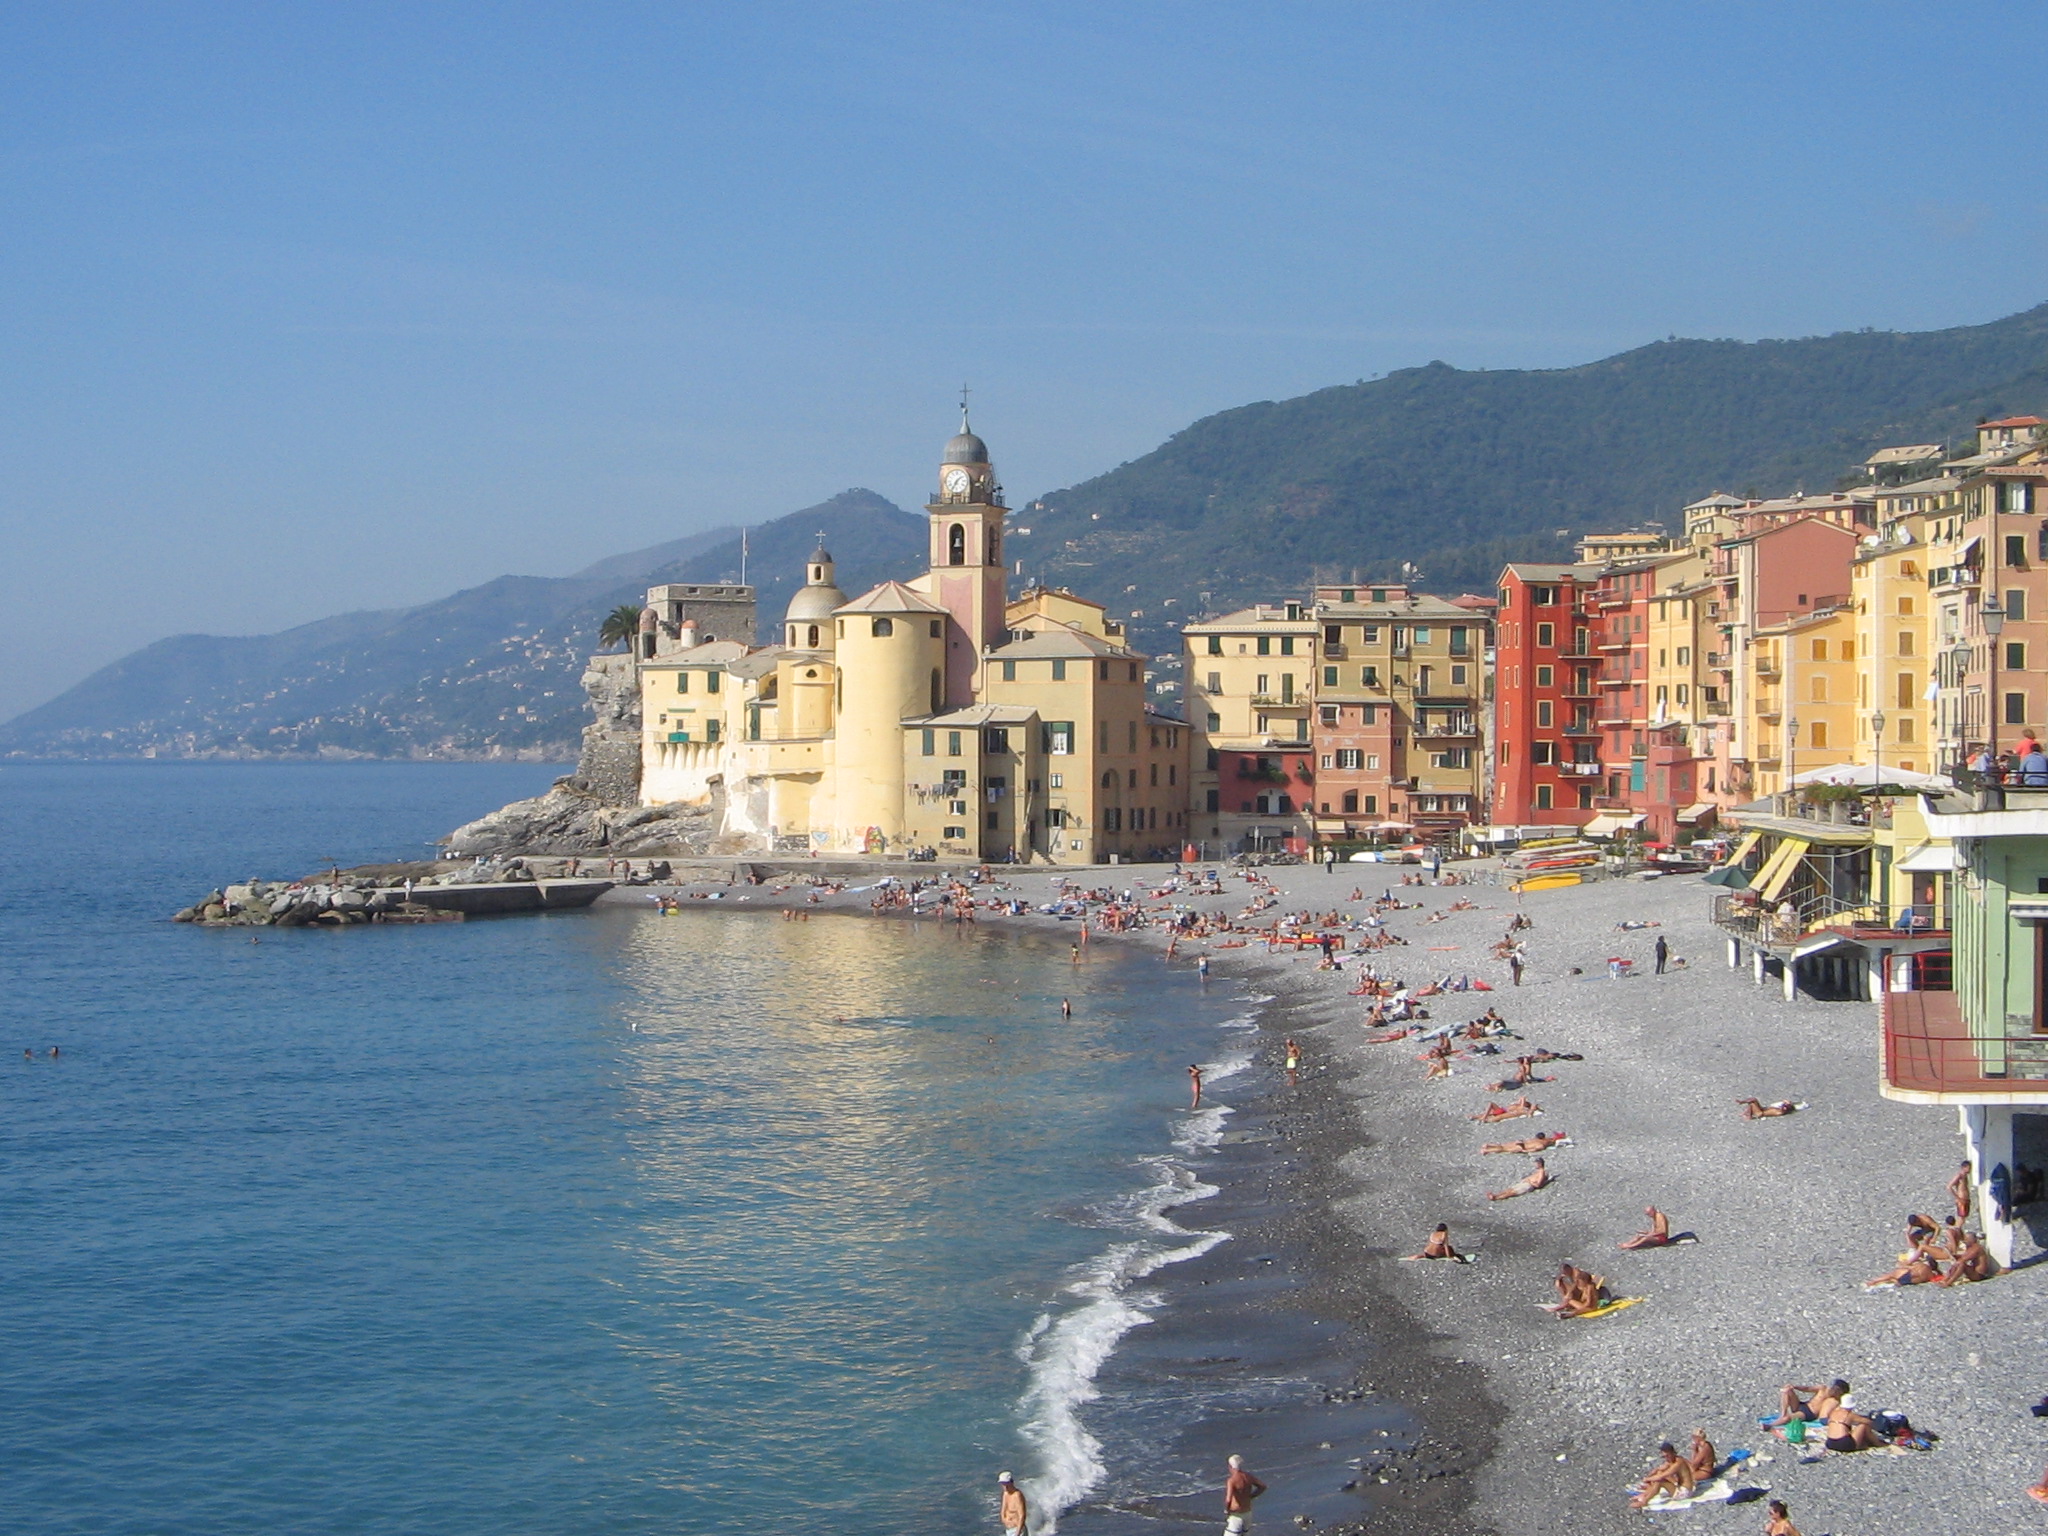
(1929, 1048)
(1736, 913)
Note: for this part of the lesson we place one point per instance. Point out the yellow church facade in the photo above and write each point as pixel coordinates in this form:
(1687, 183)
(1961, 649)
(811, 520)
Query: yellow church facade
(935, 714)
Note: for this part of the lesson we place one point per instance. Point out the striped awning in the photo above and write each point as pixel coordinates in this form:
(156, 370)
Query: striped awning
(1771, 880)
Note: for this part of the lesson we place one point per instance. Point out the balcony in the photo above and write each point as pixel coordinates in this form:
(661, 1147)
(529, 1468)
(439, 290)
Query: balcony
(1279, 701)
(1581, 728)
(1717, 661)
(1929, 1054)
(1764, 667)
(1579, 770)
(1437, 732)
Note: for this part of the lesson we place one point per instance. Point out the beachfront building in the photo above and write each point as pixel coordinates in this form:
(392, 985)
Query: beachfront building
(1399, 720)
(1547, 767)
(935, 714)
(1803, 694)
(1251, 682)
(1974, 1033)
(1989, 567)
(1888, 584)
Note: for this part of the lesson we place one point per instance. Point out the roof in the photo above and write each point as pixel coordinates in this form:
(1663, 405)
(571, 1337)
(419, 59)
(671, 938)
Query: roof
(1268, 618)
(712, 653)
(1911, 454)
(757, 663)
(1921, 487)
(2011, 421)
(1718, 499)
(1061, 641)
(1418, 607)
(982, 714)
(891, 597)
(1524, 571)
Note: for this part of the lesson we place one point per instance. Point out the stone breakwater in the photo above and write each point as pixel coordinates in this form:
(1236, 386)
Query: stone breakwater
(414, 893)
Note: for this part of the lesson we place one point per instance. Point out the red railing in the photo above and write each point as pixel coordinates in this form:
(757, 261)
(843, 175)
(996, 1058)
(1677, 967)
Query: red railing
(1928, 1048)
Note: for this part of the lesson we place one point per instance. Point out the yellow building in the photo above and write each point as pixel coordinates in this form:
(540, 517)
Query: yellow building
(933, 713)
(1894, 632)
(1250, 688)
(1804, 695)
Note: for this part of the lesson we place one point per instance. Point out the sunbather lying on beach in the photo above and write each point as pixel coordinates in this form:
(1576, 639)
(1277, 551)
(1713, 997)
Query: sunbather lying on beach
(1439, 1246)
(1542, 1141)
(1659, 1234)
(1389, 1036)
(1535, 1179)
(1756, 1109)
(1673, 1475)
(1524, 1074)
(1807, 1404)
(1541, 1056)
(1515, 1109)
(1916, 1269)
(1848, 1430)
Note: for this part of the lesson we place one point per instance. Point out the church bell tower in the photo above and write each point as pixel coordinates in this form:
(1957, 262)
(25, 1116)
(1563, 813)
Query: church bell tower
(967, 559)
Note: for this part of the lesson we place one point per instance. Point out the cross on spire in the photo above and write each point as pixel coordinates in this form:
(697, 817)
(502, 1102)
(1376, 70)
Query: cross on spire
(964, 393)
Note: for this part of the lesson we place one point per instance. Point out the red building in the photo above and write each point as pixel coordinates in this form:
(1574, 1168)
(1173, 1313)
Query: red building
(1547, 768)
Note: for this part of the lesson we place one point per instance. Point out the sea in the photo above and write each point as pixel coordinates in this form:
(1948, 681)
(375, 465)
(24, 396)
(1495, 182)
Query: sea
(579, 1222)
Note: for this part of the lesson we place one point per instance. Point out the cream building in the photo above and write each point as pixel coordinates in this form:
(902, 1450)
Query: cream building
(934, 713)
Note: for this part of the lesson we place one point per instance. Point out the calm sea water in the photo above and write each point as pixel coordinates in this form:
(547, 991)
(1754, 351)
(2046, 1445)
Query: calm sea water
(585, 1222)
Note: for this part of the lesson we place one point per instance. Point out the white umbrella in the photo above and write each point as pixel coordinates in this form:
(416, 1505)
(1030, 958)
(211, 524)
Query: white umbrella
(1870, 776)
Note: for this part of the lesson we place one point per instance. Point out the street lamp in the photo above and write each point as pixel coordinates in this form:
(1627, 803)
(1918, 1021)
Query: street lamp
(1877, 740)
(1993, 617)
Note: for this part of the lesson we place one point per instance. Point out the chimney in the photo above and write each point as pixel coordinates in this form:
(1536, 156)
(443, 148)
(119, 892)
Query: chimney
(686, 634)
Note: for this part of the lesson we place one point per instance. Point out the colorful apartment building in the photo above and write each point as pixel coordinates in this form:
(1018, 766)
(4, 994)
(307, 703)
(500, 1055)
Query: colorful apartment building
(1401, 699)
(1988, 583)
(1250, 679)
(1547, 687)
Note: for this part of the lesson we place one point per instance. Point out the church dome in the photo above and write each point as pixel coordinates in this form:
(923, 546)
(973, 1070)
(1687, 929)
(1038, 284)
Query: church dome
(814, 605)
(965, 448)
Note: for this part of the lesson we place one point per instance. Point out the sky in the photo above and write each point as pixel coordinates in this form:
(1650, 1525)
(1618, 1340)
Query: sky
(307, 308)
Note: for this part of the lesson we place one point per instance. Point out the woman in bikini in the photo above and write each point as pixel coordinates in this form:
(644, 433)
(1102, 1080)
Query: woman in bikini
(1439, 1246)
(1542, 1141)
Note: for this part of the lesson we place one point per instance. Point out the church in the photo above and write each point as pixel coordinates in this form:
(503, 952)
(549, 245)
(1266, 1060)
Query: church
(937, 713)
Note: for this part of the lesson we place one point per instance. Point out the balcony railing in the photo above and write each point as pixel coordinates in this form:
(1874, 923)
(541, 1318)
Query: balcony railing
(1279, 701)
(1929, 1048)
(1579, 770)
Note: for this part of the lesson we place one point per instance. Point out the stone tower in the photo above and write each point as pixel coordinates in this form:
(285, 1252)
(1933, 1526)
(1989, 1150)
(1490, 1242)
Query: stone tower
(967, 559)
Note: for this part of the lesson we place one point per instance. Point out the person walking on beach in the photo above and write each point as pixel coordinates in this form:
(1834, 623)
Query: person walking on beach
(1515, 966)
(1663, 954)
(1195, 1084)
(1293, 1064)
(1239, 1489)
(1202, 967)
(1013, 1512)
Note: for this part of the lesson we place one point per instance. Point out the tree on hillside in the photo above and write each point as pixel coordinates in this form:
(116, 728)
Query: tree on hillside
(620, 625)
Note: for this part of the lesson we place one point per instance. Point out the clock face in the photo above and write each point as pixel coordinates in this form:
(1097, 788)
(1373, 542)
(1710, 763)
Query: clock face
(955, 482)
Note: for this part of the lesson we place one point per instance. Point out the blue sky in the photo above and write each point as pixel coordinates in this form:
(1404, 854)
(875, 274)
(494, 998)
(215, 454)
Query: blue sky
(314, 307)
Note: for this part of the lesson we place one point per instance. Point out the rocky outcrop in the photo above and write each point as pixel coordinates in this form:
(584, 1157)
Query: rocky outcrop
(569, 819)
(608, 768)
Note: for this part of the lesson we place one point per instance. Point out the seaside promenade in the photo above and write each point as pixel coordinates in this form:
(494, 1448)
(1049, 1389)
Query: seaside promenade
(1791, 1215)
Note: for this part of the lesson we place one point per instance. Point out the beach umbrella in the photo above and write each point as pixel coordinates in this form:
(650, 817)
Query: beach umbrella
(1730, 875)
(1870, 776)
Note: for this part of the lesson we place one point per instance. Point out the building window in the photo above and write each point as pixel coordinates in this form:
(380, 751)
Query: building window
(1133, 744)
(2015, 603)
(1102, 671)
(1372, 634)
(1059, 670)
(1542, 752)
(956, 545)
(1458, 643)
(953, 833)
(1542, 797)
(1372, 762)
(1906, 693)
(1585, 797)
(931, 741)
(711, 730)
(996, 741)
(1905, 642)
(952, 743)
(1330, 714)
(1215, 645)
(1543, 597)
(1329, 677)
(1265, 645)
(1134, 671)
(882, 629)
(1545, 676)
(1056, 817)
(1818, 734)
(1369, 714)
(682, 682)
(1543, 717)
(1059, 738)
(1009, 671)
(1215, 721)
(1350, 758)
(1457, 677)
(1350, 802)
(1546, 635)
(813, 641)
(1056, 780)
(2016, 655)
(2015, 709)
(1369, 677)
(2018, 497)
(1905, 607)
(1287, 645)
(1102, 735)
(1683, 692)
(1112, 819)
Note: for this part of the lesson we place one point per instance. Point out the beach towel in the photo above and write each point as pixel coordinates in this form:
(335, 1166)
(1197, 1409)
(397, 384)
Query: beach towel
(1607, 1307)
(1719, 1491)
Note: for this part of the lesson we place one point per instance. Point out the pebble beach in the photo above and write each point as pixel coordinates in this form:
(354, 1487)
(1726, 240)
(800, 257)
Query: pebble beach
(1529, 1423)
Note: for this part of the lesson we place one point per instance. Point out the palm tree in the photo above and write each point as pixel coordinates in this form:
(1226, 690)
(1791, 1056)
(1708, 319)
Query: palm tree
(620, 626)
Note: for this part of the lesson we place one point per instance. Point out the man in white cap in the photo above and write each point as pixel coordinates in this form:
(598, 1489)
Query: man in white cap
(1014, 1511)
(1239, 1489)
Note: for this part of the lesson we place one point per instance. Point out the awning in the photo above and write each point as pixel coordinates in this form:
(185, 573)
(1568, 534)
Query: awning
(1932, 858)
(1745, 848)
(1731, 876)
(1697, 812)
(1607, 823)
(1776, 874)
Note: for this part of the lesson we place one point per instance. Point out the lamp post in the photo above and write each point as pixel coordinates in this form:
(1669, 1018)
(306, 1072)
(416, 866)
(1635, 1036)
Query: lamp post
(1993, 618)
(1877, 742)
